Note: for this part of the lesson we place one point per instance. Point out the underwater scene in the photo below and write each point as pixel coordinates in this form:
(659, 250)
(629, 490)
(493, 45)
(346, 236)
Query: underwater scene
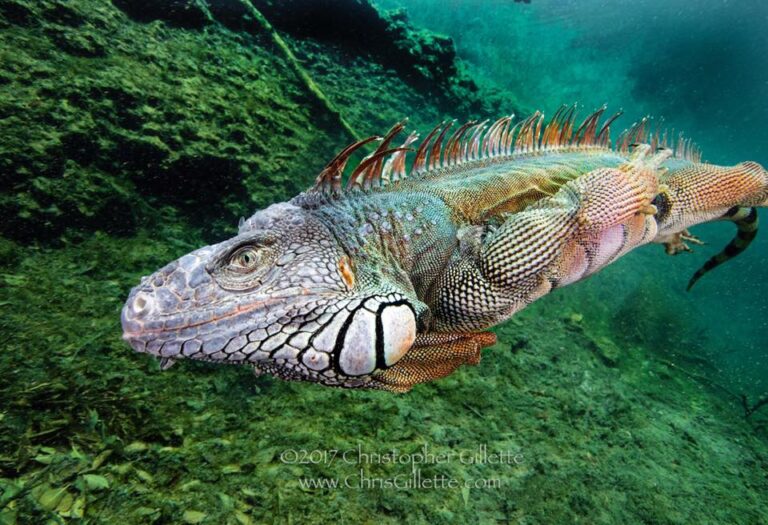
(369, 208)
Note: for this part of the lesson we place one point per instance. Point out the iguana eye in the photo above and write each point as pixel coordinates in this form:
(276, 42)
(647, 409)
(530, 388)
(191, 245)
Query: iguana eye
(243, 267)
(245, 259)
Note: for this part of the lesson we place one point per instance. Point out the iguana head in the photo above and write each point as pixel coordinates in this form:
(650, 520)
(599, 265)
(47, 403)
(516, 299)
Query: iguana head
(283, 296)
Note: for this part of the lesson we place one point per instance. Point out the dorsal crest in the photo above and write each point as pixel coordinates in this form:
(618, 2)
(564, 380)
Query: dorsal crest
(474, 142)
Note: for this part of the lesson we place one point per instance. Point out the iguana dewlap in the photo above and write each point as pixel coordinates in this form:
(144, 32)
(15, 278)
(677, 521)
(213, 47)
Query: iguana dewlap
(390, 277)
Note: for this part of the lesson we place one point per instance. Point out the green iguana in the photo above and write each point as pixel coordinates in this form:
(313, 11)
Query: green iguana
(391, 277)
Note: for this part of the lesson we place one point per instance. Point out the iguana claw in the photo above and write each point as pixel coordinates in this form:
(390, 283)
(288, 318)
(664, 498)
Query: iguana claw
(677, 242)
(687, 236)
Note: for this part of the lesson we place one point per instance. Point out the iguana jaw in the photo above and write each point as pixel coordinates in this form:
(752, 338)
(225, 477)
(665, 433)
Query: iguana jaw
(162, 334)
(324, 338)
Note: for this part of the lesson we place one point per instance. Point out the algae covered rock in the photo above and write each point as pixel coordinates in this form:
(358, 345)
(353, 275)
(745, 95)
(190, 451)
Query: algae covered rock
(114, 111)
(427, 60)
(106, 119)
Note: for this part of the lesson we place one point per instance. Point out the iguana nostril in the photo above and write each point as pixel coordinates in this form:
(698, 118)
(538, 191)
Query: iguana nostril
(142, 304)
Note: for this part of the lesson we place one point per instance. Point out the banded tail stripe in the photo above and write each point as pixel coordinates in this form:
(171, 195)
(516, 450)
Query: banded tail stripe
(746, 221)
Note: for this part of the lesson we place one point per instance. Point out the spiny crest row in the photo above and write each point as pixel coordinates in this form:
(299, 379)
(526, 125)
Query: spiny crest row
(640, 133)
(479, 141)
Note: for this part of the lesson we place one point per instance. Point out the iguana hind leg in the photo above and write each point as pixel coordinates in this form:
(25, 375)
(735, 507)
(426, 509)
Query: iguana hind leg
(433, 356)
(697, 193)
(678, 242)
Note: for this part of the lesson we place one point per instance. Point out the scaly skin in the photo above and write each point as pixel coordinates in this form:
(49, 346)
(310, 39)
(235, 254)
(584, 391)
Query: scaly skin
(693, 193)
(391, 282)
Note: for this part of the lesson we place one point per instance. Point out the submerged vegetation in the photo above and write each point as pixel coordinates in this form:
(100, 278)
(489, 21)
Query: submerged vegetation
(135, 131)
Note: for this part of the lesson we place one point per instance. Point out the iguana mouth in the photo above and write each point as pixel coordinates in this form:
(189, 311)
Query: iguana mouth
(351, 335)
(144, 302)
(141, 302)
(180, 337)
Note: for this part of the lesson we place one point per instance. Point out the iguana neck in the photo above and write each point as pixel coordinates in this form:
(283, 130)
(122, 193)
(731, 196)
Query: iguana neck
(404, 238)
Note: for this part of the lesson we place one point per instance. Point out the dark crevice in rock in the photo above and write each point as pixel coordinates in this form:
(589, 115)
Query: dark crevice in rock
(178, 13)
(234, 14)
(63, 15)
(187, 178)
(424, 58)
(17, 13)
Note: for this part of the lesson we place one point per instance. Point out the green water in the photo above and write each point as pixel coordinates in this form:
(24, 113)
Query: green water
(134, 132)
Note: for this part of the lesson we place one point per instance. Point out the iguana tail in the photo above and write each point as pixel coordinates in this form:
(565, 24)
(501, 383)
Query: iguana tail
(746, 221)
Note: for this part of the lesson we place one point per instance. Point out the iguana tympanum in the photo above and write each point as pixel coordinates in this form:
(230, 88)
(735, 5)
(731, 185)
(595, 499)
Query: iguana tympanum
(391, 277)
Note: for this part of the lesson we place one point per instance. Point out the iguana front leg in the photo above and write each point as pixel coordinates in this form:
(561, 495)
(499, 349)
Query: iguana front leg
(587, 224)
(433, 356)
